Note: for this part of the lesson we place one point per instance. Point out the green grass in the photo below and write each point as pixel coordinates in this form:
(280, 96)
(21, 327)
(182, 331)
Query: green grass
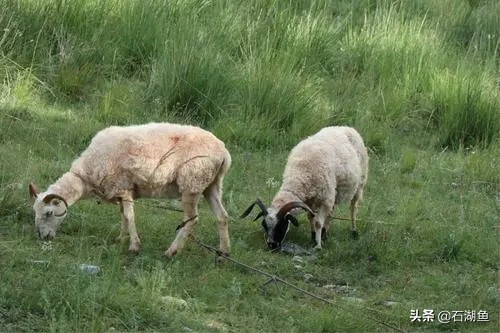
(418, 79)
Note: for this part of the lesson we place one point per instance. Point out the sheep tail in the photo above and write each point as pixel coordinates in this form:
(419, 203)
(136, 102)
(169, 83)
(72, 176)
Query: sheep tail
(223, 168)
(225, 165)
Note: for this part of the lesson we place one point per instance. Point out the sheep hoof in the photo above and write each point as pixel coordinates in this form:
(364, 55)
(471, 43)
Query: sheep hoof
(354, 234)
(222, 258)
(317, 247)
(134, 248)
(170, 252)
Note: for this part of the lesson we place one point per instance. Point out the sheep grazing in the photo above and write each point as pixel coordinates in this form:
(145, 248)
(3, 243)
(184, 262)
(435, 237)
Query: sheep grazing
(323, 170)
(152, 160)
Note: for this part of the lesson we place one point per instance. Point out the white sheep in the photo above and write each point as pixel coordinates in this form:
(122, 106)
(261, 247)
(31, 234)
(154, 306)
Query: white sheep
(152, 160)
(323, 170)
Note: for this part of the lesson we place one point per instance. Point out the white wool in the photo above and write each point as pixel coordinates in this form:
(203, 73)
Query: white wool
(325, 169)
(150, 160)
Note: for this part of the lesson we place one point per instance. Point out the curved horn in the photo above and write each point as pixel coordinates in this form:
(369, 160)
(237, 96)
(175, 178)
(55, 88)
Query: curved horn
(261, 206)
(291, 205)
(261, 214)
(48, 198)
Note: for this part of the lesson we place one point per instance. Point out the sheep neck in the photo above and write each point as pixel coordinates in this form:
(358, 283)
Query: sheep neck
(69, 186)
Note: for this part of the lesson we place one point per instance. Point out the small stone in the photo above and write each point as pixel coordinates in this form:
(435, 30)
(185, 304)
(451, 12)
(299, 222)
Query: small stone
(90, 269)
(215, 324)
(494, 294)
(41, 262)
(298, 266)
(342, 289)
(354, 299)
(297, 259)
(293, 249)
(390, 303)
(177, 302)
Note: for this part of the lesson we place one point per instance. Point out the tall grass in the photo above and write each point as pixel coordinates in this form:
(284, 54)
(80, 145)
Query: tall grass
(399, 59)
(466, 108)
(291, 68)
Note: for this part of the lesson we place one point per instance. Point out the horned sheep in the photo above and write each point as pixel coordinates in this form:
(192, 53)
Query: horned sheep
(322, 171)
(151, 160)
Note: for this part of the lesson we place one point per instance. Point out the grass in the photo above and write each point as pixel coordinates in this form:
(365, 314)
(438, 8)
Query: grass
(418, 79)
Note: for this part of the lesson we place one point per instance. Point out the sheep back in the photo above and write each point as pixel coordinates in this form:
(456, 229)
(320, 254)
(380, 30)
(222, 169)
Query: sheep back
(151, 156)
(328, 167)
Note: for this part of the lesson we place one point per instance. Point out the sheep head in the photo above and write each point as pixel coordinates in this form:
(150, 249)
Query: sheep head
(50, 211)
(276, 224)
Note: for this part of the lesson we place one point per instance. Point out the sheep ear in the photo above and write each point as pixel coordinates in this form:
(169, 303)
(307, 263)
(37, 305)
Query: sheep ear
(290, 218)
(33, 190)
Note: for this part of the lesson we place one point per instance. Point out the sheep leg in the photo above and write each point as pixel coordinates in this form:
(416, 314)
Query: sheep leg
(190, 206)
(324, 228)
(123, 226)
(354, 208)
(310, 218)
(213, 196)
(319, 225)
(128, 223)
(324, 231)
